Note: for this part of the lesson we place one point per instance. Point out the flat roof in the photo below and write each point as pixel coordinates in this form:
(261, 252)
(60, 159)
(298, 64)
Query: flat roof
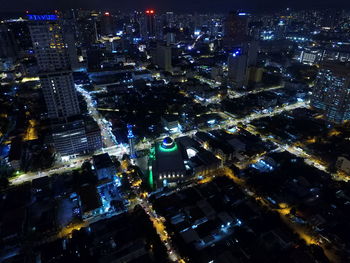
(102, 161)
(89, 198)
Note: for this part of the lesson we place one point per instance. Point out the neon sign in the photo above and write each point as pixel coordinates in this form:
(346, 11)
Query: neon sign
(42, 17)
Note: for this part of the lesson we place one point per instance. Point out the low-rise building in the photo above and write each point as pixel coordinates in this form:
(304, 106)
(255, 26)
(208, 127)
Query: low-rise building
(171, 123)
(90, 201)
(343, 164)
(104, 167)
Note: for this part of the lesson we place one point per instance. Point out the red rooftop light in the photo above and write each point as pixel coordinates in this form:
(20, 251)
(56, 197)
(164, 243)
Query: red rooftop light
(150, 11)
(106, 13)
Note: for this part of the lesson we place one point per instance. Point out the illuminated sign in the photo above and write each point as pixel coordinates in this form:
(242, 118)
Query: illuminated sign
(42, 17)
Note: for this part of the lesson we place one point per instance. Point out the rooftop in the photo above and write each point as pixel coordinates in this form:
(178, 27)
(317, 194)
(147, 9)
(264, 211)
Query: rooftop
(102, 161)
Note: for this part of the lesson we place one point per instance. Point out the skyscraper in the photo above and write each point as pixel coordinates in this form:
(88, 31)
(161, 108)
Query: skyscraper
(161, 56)
(70, 39)
(241, 58)
(148, 24)
(54, 66)
(7, 43)
(69, 130)
(237, 67)
(107, 24)
(331, 93)
(235, 29)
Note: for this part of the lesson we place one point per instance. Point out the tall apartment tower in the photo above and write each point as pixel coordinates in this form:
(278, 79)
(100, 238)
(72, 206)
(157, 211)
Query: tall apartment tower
(107, 25)
(235, 29)
(8, 47)
(162, 56)
(331, 93)
(240, 60)
(237, 67)
(71, 134)
(70, 39)
(148, 24)
(54, 66)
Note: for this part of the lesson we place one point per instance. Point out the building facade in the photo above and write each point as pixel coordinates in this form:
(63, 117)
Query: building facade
(235, 29)
(331, 93)
(70, 133)
(54, 67)
(168, 167)
(70, 138)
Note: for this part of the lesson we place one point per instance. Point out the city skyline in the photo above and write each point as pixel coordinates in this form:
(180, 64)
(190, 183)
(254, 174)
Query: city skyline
(199, 6)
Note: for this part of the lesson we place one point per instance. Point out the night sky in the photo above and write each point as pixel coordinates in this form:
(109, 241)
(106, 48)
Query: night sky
(168, 5)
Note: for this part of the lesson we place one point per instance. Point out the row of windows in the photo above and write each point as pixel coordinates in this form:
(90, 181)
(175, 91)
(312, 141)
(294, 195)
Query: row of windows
(169, 175)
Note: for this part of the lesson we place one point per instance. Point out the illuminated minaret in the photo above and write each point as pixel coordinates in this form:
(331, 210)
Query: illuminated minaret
(131, 138)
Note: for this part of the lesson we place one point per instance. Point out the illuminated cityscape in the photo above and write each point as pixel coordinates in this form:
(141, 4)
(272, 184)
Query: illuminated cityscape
(175, 132)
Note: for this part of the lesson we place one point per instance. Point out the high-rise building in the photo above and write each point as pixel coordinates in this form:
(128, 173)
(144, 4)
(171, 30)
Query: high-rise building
(241, 58)
(70, 134)
(331, 93)
(59, 94)
(55, 71)
(70, 39)
(86, 31)
(148, 24)
(107, 25)
(170, 38)
(7, 43)
(170, 19)
(162, 57)
(235, 29)
(237, 67)
(251, 48)
(20, 31)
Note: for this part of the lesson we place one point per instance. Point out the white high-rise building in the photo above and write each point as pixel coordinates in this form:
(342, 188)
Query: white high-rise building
(331, 93)
(70, 133)
(60, 95)
(54, 66)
